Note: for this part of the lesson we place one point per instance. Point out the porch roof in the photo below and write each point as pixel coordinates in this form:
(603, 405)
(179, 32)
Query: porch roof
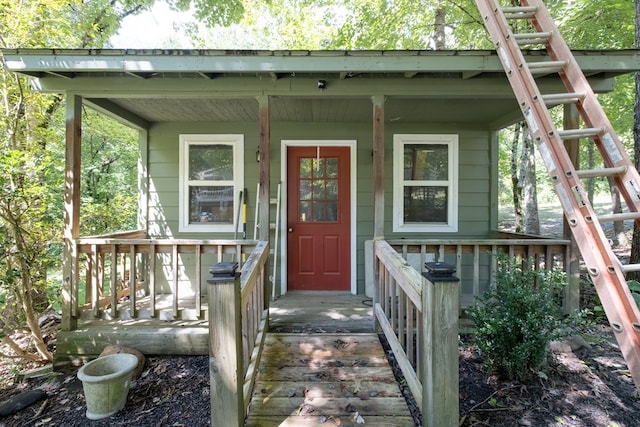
(222, 85)
(156, 63)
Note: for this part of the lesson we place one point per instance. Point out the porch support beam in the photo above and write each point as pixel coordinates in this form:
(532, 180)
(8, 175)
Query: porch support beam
(71, 210)
(378, 166)
(571, 300)
(265, 170)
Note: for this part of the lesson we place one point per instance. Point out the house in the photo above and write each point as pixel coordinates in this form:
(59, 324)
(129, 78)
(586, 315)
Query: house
(337, 148)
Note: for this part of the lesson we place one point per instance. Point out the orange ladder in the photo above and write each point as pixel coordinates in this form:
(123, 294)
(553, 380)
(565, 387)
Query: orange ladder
(606, 271)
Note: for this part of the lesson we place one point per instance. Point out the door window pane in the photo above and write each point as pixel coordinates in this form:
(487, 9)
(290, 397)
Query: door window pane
(318, 194)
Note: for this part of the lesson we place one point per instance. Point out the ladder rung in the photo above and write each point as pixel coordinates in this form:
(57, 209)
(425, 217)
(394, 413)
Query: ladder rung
(591, 173)
(562, 98)
(520, 12)
(533, 38)
(546, 67)
(619, 216)
(579, 133)
(630, 267)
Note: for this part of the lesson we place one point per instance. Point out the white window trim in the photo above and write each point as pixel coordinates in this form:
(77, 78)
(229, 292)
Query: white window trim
(187, 140)
(399, 140)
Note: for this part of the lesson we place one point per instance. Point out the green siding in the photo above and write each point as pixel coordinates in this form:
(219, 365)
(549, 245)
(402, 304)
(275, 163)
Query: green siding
(475, 172)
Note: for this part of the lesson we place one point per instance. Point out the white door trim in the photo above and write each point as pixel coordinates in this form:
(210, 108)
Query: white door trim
(285, 143)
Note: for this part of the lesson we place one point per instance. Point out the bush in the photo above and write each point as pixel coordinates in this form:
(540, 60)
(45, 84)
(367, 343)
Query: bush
(516, 319)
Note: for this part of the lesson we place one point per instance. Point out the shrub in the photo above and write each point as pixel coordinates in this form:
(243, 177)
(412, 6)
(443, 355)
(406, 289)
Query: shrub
(516, 319)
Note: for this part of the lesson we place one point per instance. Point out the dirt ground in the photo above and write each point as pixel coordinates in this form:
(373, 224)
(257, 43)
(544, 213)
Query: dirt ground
(587, 387)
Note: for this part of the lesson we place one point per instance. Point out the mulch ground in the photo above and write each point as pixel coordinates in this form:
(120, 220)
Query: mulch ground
(588, 387)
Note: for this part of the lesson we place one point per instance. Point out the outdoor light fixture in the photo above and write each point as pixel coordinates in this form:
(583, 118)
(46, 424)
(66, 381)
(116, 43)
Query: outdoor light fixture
(258, 156)
(322, 84)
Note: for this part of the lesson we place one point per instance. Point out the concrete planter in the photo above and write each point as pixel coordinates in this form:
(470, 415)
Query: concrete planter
(106, 381)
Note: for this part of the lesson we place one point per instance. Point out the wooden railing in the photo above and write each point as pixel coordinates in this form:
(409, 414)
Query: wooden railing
(419, 314)
(419, 319)
(238, 319)
(474, 259)
(121, 275)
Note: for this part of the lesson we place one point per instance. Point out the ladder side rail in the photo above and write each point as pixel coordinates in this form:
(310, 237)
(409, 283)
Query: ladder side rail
(605, 268)
(613, 152)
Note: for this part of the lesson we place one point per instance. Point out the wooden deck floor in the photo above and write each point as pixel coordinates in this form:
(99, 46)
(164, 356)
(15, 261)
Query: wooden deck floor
(313, 379)
(323, 365)
(317, 312)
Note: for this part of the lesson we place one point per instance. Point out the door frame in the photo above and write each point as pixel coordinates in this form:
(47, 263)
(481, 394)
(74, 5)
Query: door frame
(284, 145)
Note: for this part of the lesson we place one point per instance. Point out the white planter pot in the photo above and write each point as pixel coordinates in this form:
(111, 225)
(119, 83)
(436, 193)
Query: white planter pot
(106, 382)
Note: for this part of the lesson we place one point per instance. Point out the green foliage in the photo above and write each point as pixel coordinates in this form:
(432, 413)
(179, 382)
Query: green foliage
(634, 287)
(109, 176)
(32, 150)
(516, 319)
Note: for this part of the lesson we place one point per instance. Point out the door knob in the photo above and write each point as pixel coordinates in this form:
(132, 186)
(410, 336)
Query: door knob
(290, 230)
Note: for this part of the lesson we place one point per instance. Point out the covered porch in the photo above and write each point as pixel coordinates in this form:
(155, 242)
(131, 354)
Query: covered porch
(158, 319)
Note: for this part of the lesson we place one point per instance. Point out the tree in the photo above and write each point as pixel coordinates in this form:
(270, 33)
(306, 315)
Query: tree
(635, 244)
(32, 165)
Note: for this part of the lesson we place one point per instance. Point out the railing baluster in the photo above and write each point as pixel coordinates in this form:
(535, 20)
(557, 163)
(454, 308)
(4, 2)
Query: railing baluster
(152, 281)
(114, 280)
(198, 280)
(174, 281)
(132, 281)
(95, 307)
(476, 270)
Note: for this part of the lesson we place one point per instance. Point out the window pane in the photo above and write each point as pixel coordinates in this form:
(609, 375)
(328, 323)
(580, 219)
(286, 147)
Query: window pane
(319, 168)
(425, 204)
(319, 211)
(305, 211)
(318, 190)
(332, 167)
(426, 162)
(211, 162)
(306, 166)
(332, 189)
(305, 189)
(211, 204)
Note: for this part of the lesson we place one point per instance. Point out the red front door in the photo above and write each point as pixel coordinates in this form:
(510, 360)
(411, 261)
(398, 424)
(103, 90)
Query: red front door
(318, 218)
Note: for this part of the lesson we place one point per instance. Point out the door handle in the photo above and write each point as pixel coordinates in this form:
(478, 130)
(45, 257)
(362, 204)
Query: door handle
(290, 230)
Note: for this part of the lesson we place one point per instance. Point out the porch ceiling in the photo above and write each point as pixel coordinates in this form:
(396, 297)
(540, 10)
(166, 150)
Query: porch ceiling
(322, 110)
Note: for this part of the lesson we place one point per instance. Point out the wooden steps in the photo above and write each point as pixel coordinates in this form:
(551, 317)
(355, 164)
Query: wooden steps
(340, 379)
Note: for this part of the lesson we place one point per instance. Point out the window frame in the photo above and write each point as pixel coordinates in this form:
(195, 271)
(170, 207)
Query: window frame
(236, 141)
(399, 183)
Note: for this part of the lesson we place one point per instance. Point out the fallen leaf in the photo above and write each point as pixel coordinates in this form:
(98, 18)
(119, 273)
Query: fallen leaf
(357, 418)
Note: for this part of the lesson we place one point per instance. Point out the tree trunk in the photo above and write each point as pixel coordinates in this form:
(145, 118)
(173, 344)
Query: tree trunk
(635, 243)
(532, 219)
(516, 185)
(439, 25)
(619, 237)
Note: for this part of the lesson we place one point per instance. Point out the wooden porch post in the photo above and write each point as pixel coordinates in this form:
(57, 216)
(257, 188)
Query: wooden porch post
(264, 151)
(378, 167)
(265, 169)
(225, 352)
(439, 352)
(71, 211)
(571, 300)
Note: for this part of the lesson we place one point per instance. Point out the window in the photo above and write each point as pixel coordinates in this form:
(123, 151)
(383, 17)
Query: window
(211, 175)
(425, 175)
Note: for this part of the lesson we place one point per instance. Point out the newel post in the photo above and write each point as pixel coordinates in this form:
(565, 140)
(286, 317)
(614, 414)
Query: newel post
(225, 347)
(440, 388)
